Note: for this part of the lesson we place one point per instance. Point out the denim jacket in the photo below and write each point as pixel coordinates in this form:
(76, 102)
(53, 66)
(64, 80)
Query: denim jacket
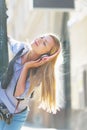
(7, 95)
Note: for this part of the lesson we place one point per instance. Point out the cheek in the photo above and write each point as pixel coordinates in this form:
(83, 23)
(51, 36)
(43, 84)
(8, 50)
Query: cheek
(41, 51)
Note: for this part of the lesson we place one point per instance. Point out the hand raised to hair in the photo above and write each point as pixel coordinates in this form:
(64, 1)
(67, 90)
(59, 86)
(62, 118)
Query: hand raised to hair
(35, 63)
(40, 61)
(51, 57)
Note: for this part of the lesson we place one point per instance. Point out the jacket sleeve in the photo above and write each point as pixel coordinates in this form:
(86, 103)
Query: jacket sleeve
(14, 45)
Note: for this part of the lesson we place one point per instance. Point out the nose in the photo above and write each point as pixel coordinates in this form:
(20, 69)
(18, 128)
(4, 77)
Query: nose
(39, 41)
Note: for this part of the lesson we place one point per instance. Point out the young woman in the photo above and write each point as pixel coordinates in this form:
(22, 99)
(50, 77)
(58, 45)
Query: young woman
(34, 67)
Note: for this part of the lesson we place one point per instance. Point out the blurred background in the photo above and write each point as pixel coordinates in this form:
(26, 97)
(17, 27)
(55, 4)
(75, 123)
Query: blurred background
(68, 19)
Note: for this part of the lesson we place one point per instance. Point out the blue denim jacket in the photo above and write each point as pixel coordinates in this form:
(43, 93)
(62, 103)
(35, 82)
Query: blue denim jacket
(6, 95)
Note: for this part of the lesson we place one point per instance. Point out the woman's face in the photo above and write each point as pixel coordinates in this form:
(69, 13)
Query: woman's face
(42, 44)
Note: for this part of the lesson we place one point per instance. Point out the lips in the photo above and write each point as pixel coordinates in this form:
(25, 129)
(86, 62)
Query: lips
(36, 43)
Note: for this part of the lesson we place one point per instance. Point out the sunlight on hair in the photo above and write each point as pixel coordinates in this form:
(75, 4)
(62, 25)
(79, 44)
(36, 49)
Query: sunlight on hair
(59, 82)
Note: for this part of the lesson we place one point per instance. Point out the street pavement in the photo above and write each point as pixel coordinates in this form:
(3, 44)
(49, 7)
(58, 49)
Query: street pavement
(29, 127)
(33, 128)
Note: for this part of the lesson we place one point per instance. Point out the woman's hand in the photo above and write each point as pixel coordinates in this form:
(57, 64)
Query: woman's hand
(42, 60)
(35, 63)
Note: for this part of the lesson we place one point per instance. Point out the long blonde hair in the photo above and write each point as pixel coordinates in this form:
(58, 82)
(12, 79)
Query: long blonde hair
(44, 76)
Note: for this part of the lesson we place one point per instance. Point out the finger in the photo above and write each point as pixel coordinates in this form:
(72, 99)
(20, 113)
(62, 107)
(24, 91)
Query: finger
(45, 59)
(37, 60)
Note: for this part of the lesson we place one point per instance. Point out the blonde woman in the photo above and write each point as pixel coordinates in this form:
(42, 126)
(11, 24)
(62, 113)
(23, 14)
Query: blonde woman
(33, 67)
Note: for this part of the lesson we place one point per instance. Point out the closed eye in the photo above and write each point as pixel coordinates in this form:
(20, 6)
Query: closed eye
(44, 43)
(41, 37)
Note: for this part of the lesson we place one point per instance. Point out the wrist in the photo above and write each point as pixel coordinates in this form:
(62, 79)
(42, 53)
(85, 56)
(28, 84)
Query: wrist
(26, 66)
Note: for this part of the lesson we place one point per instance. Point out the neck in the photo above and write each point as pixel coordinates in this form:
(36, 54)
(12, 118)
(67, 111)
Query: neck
(32, 56)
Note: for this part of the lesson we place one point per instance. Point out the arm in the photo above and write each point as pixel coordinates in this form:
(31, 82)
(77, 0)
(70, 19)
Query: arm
(22, 79)
(21, 82)
(14, 45)
(20, 88)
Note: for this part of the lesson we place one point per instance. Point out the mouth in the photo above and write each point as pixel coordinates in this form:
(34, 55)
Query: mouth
(36, 43)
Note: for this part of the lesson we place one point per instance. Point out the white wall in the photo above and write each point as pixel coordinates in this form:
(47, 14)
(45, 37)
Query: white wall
(78, 40)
